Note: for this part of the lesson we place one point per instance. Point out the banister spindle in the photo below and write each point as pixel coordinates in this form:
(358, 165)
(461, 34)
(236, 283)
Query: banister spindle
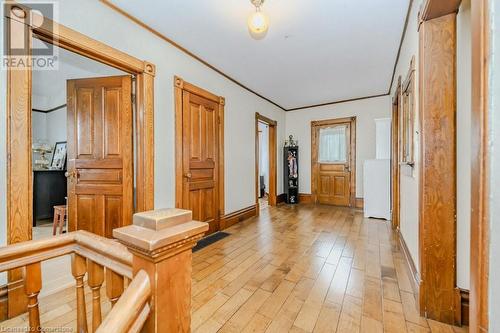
(95, 280)
(114, 286)
(78, 269)
(126, 282)
(32, 289)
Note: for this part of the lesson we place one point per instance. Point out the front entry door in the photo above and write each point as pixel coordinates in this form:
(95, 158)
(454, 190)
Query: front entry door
(100, 154)
(333, 164)
(200, 146)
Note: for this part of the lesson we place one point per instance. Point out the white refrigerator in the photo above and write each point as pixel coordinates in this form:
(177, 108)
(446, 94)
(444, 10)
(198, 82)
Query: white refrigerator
(377, 174)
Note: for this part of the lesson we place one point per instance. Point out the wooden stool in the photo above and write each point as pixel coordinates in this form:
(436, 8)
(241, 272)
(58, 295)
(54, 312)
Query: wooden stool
(59, 219)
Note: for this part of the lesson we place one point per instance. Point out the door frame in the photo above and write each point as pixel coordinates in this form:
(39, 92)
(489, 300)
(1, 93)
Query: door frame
(315, 125)
(395, 154)
(19, 90)
(480, 155)
(273, 149)
(438, 295)
(179, 86)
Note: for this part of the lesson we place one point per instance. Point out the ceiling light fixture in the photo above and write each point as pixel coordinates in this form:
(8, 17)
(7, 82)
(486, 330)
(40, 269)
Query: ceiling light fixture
(258, 23)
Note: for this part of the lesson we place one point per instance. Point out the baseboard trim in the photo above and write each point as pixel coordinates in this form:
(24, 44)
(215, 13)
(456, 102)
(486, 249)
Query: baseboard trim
(281, 198)
(410, 265)
(238, 216)
(305, 198)
(359, 203)
(461, 307)
(4, 303)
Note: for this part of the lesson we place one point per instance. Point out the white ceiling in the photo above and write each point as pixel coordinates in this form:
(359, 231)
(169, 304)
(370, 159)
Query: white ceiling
(316, 51)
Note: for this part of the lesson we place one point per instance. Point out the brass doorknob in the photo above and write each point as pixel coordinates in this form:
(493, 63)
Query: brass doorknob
(188, 175)
(71, 174)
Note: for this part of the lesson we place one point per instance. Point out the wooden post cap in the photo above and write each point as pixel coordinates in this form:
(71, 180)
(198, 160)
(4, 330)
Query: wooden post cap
(162, 218)
(156, 233)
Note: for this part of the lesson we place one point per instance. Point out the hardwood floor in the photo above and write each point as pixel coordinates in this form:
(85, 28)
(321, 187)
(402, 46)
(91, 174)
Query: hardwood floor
(306, 269)
(298, 268)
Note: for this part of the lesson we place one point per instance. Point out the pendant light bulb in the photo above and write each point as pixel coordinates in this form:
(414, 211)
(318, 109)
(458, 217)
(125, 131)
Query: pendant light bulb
(258, 23)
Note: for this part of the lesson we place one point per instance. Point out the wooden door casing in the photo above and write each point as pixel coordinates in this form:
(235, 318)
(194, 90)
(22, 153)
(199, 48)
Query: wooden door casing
(334, 183)
(200, 156)
(100, 154)
(273, 146)
(18, 116)
(437, 167)
(481, 219)
(395, 154)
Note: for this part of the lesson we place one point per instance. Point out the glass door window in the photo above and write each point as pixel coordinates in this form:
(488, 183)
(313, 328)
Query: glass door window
(333, 144)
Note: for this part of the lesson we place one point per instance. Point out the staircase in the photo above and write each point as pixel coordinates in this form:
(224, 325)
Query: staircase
(146, 271)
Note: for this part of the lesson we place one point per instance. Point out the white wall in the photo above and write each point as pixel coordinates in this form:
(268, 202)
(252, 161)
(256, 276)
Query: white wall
(494, 204)
(92, 18)
(383, 136)
(38, 126)
(463, 144)
(409, 180)
(56, 126)
(49, 127)
(298, 123)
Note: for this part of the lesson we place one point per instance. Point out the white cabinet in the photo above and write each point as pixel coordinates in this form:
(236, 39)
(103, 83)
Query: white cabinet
(377, 174)
(383, 138)
(377, 188)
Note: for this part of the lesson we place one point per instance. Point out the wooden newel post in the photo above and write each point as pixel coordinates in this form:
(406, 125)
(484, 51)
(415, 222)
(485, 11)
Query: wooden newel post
(161, 242)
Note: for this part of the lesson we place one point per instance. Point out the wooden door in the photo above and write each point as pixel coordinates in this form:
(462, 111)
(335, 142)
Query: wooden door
(333, 162)
(200, 147)
(333, 184)
(100, 154)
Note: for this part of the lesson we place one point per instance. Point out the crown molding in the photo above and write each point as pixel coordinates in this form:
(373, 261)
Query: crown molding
(403, 36)
(337, 102)
(191, 54)
(183, 49)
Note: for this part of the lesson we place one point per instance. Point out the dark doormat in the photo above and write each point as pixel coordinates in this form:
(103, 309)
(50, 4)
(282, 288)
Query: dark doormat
(204, 242)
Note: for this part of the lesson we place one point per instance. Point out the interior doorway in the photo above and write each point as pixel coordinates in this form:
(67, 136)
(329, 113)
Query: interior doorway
(20, 119)
(263, 164)
(333, 161)
(81, 112)
(265, 161)
(81, 134)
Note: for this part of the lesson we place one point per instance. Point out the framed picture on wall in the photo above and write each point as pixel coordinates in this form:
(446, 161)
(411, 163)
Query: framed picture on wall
(59, 156)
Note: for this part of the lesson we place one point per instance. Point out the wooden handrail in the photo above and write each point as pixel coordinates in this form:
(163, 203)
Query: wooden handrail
(152, 260)
(132, 309)
(25, 253)
(103, 251)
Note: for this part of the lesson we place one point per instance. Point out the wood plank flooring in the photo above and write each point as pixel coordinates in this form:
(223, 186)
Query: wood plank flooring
(306, 268)
(298, 268)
